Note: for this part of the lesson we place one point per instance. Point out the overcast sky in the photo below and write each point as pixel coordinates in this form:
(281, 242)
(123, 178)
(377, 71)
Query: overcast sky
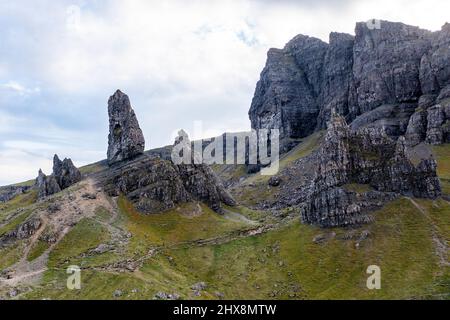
(179, 61)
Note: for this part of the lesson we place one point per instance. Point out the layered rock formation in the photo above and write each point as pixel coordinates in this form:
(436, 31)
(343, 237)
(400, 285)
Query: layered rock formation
(380, 77)
(64, 175)
(152, 182)
(369, 157)
(125, 140)
(155, 185)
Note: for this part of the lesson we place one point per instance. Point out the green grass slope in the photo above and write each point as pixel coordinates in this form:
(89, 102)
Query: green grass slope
(170, 252)
(282, 264)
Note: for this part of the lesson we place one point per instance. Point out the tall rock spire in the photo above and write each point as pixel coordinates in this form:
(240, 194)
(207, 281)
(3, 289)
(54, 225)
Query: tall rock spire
(125, 140)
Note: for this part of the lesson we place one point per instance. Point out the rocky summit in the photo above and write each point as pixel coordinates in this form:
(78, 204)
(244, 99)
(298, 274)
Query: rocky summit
(125, 140)
(379, 77)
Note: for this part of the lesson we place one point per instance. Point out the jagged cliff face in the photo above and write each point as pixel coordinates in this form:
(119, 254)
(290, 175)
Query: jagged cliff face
(370, 157)
(378, 78)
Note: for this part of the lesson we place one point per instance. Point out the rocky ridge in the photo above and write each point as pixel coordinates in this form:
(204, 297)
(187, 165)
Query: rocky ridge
(367, 157)
(378, 78)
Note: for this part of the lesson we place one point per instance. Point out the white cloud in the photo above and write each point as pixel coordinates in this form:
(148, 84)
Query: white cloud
(18, 88)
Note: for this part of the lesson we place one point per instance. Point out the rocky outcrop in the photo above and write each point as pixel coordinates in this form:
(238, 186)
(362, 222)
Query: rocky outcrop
(9, 192)
(199, 179)
(435, 67)
(430, 124)
(392, 118)
(369, 157)
(438, 124)
(417, 128)
(379, 78)
(125, 140)
(24, 231)
(46, 185)
(155, 185)
(64, 175)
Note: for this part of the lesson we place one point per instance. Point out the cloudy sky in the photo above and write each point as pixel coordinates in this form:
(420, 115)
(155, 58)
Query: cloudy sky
(179, 61)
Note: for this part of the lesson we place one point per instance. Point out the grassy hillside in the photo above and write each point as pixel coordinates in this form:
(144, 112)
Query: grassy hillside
(442, 155)
(243, 254)
(282, 264)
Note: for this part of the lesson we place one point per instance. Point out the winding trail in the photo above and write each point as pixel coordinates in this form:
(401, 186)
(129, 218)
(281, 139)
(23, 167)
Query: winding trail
(73, 208)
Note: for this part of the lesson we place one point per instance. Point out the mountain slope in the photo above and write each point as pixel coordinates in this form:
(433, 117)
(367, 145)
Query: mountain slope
(119, 251)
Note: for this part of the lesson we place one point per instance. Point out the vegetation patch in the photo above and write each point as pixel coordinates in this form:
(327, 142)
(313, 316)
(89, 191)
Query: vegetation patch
(288, 264)
(37, 250)
(358, 188)
(188, 222)
(10, 254)
(17, 221)
(19, 202)
(442, 155)
(85, 236)
(92, 168)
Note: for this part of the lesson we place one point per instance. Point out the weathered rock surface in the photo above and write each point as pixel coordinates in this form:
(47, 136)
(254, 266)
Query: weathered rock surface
(368, 157)
(46, 185)
(377, 78)
(23, 231)
(438, 124)
(65, 173)
(285, 98)
(435, 67)
(386, 65)
(125, 140)
(337, 77)
(155, 185)
(9, 192)
(393, 119)
(417, 128)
